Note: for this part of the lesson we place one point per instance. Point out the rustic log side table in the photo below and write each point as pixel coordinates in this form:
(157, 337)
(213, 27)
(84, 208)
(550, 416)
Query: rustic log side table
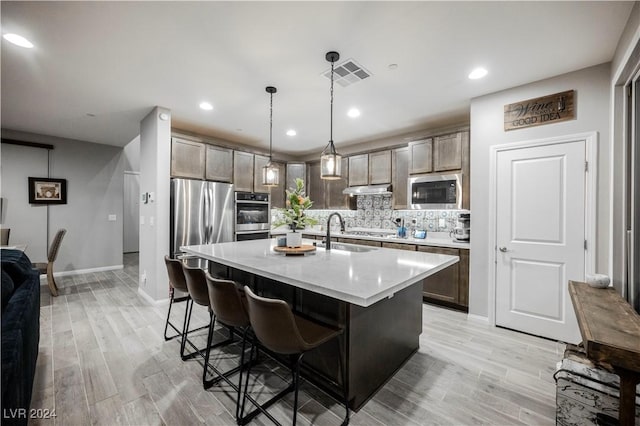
(610, 330)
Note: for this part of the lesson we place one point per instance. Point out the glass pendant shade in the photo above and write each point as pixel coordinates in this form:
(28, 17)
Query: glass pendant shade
(330, 163)
(270, 172)
(270, 175)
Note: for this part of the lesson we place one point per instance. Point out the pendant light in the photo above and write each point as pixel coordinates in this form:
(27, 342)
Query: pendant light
(330, 160)
(270, 172)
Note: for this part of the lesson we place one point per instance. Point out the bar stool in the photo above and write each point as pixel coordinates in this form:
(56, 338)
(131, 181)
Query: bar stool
(281, 331)
(176, 282)
(229, 306)
(199, 294)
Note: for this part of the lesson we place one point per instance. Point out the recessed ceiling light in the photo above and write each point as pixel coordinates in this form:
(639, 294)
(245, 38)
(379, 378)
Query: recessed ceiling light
(291, 132)
(393, 66)
(18, 40)
(477, 73)
(206, 106)
(353, 113)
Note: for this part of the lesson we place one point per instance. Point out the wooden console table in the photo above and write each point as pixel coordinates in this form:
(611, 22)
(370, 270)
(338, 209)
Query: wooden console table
(610, 330)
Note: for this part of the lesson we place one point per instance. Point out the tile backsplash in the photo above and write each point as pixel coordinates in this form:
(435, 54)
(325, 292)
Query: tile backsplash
(376, 211)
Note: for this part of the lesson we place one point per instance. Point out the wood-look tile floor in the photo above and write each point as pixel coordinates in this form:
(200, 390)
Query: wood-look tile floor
(103, 360)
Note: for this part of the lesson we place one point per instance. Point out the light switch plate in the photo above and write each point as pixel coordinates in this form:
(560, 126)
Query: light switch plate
(112, 218)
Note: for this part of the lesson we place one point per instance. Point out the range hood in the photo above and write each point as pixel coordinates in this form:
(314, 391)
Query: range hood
(368, 190)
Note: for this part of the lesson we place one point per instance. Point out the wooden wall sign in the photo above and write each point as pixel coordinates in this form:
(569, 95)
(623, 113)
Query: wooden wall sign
(538, 111)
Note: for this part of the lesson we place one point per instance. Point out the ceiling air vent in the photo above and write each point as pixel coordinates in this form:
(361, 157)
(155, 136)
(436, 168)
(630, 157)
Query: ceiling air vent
(347, 73)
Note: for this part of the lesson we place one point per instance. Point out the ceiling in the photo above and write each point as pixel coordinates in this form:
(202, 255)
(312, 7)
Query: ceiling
(99, 67)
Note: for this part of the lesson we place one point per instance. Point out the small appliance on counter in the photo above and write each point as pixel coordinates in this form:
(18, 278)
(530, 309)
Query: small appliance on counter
(462, 232)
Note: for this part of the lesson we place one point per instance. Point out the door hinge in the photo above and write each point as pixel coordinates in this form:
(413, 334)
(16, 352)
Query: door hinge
(585, 244)
(586, 166)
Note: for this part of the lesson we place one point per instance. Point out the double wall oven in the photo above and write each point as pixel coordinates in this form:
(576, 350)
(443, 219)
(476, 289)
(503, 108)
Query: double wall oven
(252, 216)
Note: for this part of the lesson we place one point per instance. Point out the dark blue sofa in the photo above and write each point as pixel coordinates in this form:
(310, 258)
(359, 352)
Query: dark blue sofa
(20, 334)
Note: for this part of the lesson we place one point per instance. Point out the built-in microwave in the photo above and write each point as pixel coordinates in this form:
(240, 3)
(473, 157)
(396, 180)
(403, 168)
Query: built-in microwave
(435, 192)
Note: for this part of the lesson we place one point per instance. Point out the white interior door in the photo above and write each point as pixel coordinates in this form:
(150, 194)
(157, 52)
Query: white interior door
(540, 237)
(131, 223)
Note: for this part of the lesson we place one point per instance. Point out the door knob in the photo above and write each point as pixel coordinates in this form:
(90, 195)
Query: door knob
(503, 249)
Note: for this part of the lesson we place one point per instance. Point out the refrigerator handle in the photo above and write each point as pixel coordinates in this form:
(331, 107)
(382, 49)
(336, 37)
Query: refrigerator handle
(206, 214)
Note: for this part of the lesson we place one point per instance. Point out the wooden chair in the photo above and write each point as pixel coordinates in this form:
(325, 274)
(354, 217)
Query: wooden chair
(47, 268)
(4, 236)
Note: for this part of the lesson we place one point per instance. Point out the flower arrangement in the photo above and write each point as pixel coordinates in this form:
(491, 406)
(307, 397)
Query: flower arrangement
(296, 204)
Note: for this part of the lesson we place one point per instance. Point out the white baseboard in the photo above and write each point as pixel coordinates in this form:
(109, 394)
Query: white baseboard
(43, 277)
(151, 300)
(478, 318)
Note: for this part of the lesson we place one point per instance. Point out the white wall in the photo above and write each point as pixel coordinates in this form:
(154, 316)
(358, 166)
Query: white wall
(94, 174)
(132, 155)
(155, 152)
(487, 128)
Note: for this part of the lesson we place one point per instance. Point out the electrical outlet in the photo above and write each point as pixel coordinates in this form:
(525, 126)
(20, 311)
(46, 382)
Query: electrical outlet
(442, 223)
(141, 220)
(112, 218)
(143, 278)
(151, 221)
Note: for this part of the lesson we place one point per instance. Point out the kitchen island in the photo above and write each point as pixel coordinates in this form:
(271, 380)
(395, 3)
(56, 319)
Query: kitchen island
(374, 295)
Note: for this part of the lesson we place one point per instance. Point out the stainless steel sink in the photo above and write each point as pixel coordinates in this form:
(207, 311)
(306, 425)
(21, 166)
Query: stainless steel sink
(354, 248)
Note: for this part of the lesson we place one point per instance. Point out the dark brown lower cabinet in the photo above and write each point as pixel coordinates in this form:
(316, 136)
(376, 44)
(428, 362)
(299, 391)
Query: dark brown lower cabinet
(360, 242)
(451, 285)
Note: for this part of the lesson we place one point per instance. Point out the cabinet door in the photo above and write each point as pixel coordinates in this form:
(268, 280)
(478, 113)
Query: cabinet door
(400, 246)
(447, 152)
(242, 171)
(335, 199)
(277, 192)
(399, 177)
(315, 185)
(420, 156)
(359, 170)
(442, 285)
(219, 164)
(463, 289)
(259, 161)
(380, 167)
(187, 159)
(294, 171)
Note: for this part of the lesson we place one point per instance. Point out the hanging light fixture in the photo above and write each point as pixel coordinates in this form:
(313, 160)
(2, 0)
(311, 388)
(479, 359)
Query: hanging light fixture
(330, 160)
(270, 172)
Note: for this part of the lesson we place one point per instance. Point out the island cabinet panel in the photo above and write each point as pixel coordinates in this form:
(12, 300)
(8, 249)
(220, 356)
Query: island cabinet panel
(334, 198)
(442, 285)
(277, 192)
(360, 242)
(295, 171)
(187, 159)
(420, 155)
(315, 185)
(447, 152)
(219, 164)
(380, 167)
(399, 177)
(400, 246)
(259, 161)
(359, 170)
(242, 171)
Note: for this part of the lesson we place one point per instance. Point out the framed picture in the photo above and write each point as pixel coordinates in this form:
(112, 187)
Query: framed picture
(47, 191)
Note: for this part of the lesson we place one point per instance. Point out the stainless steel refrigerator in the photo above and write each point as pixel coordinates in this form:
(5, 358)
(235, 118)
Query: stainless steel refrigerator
(201, 213)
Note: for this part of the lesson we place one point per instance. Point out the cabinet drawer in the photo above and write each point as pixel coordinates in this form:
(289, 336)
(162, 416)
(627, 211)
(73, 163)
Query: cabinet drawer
(360, 242)
(399, 246)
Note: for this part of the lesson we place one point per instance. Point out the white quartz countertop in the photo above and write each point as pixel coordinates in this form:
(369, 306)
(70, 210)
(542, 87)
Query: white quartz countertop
(434, 239)
(358, 278)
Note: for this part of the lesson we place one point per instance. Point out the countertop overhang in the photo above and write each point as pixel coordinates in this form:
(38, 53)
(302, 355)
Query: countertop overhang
(359, 278)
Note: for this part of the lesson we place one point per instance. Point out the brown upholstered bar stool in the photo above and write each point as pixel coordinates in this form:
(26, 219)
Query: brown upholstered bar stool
(281, 331)
(199, 292)
(176, 282)
(229, 306)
